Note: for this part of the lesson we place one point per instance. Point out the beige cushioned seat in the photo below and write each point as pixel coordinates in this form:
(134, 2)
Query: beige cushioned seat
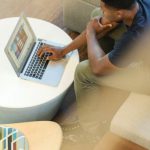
(132, 121)
(77, 13)
(41, 135)
(93, 2)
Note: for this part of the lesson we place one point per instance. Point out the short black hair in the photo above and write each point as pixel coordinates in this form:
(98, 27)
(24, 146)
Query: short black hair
(120, 4)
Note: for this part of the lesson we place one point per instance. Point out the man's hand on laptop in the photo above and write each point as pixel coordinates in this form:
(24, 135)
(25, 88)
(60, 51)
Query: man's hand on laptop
(56, 52)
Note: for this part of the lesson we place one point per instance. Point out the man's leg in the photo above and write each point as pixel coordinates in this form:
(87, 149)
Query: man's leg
(96, 104)
(84, 79)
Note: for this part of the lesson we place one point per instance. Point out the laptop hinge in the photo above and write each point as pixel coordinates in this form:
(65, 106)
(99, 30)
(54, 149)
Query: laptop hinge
(28, 57)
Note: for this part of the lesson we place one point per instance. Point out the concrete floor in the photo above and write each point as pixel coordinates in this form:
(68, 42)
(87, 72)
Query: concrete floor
(85, 122)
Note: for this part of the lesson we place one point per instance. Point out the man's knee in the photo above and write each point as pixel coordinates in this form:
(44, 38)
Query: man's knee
(82, 69)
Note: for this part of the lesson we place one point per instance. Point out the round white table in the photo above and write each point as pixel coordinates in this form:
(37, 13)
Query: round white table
(22, 100)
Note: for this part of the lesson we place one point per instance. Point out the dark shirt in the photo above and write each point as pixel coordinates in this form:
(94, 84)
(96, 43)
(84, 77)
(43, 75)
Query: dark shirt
(140, 22)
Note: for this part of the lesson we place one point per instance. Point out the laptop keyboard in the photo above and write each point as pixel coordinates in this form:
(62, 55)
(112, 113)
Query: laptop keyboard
(37, 66)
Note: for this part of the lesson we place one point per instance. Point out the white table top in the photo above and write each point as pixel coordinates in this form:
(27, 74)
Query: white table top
(19, 93)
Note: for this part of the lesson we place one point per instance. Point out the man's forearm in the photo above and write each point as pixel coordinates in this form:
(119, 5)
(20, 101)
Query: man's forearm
(81, 39)
(76, 43)
(95, 52)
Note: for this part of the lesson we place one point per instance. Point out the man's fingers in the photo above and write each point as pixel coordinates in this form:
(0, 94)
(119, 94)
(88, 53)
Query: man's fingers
(40, 51)
(107, 26)
(41, 54)
(114, 24)
(111, 26)
(43, 50)
(49, 58)
(52, 58)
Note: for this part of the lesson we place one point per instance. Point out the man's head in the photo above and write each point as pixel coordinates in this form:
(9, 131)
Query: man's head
(120, 4)
(114, 10)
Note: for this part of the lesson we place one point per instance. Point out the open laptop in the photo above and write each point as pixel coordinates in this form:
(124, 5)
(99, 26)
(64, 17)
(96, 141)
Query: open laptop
(21, 51)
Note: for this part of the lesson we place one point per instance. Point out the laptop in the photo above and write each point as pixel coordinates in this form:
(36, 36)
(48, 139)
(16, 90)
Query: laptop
(21, 51)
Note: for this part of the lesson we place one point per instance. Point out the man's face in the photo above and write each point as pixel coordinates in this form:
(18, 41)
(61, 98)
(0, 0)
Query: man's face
(110, 14)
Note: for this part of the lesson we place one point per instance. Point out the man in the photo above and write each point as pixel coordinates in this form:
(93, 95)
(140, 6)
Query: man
(134, 14)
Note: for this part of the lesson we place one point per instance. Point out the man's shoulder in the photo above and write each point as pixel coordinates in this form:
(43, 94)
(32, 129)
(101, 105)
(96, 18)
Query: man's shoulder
(145, 5)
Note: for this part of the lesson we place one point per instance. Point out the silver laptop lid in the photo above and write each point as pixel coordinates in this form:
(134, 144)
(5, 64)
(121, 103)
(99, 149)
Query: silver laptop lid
(20, 44)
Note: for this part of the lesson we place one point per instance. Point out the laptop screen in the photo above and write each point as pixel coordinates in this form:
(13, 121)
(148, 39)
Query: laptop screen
(20, 44)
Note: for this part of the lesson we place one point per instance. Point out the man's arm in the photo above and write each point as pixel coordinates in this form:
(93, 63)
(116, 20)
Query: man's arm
(99, 61)
(76, 43)
(101, 30)
(81, 40)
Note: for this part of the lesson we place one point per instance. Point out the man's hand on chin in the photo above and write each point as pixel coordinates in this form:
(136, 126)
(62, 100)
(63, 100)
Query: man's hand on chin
(94, 27)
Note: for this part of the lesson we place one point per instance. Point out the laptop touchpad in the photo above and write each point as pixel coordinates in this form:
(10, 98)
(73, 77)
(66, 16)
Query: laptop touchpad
(54, 72)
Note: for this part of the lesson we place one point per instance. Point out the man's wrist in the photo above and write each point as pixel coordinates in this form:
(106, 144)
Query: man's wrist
(64, 51)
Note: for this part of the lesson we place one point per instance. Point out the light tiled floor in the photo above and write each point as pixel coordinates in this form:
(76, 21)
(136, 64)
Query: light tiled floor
(85, 122)
(43, 9)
